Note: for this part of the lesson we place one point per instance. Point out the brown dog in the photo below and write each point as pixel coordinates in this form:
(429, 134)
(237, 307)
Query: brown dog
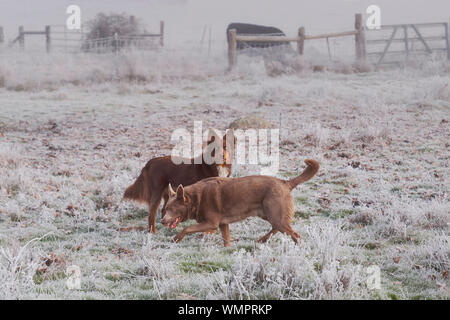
(217, 202)
(151, 185)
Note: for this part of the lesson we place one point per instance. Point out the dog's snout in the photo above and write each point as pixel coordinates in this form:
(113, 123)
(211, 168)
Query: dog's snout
(165, 220)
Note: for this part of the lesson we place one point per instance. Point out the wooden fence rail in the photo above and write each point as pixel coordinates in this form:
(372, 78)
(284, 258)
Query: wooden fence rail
(117, 42)
(294, 39)
(358, 33)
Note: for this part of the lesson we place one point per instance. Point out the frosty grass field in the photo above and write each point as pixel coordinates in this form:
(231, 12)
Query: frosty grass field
(75, 131)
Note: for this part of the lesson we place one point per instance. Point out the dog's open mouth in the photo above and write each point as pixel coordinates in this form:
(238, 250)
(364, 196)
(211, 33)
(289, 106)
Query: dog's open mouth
(174, 223)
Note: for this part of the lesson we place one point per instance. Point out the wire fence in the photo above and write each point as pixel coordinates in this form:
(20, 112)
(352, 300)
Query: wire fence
(72, 41)
(118, 43)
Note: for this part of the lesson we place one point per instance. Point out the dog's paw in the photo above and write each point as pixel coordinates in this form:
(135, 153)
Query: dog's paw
(178, 237)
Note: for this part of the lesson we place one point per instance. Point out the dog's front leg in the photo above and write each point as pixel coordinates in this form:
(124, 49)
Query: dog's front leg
(165, 198)
(153, 205)
(225, 229)
(201, 227)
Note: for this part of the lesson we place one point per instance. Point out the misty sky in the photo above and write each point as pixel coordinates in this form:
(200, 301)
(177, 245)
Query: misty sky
(185, 19)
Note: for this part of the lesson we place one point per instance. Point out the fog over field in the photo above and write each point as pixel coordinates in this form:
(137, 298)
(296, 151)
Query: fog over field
(186, 18)
(77, 128)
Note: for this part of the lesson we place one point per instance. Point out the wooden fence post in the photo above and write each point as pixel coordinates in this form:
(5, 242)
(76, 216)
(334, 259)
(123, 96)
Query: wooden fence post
(47, 38)
(161, 33)
(301, 41)
(209, 42)
(232, 44)
(447, 41)
(405, 33)
(360, 39)
(329, 50)
(21, 38)
(2, 35)
(116, 43)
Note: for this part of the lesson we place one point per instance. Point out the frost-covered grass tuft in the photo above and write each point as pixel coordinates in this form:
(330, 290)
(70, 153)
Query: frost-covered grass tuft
(18, 267)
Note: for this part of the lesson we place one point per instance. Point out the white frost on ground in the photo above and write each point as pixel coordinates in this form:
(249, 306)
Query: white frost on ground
(76, 130)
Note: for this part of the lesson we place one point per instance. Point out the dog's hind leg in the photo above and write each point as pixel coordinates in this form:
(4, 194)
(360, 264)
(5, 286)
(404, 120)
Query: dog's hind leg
(279, 213)
(287, 229)
(225, 229)
(267, 236)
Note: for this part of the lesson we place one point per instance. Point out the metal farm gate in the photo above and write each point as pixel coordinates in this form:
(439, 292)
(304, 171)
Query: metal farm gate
(393, 44)
(65, 40)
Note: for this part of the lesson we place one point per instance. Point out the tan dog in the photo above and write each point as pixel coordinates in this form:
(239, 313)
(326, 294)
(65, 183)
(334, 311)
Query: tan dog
(217, 202)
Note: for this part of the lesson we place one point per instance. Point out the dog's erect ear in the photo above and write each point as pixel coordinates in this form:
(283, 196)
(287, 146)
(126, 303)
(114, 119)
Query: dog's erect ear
(212, 137)
(214, 141)
(210, 140)
(228, 133)
(171, 192)
(180, 192)
(229, 139)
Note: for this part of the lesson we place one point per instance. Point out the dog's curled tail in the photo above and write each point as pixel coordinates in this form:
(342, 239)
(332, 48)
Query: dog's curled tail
(308, 173)
(136, 190)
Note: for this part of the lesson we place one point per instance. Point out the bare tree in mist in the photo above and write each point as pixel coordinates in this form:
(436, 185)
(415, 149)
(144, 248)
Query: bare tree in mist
(104, 25)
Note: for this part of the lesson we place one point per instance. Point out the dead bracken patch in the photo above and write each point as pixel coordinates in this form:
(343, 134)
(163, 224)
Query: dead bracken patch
(250, 122)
